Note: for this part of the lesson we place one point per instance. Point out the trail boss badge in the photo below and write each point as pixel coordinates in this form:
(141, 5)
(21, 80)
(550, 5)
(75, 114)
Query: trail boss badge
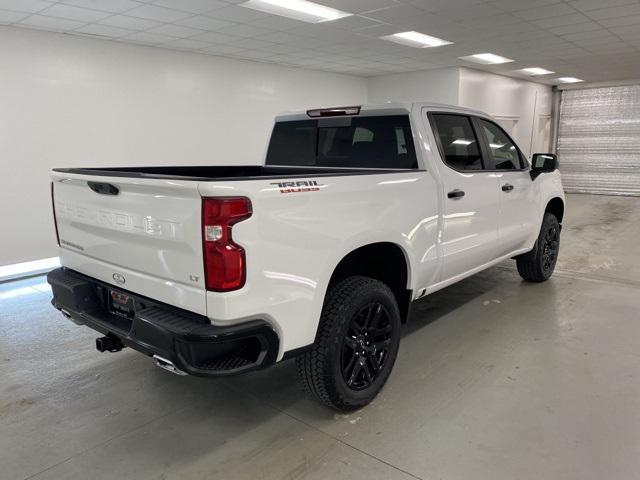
(299, 186)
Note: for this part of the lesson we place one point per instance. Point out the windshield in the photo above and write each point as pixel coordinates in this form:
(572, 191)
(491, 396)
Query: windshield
(351, 142)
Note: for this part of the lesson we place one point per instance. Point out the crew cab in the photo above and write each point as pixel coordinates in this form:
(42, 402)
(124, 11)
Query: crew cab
(315, 254)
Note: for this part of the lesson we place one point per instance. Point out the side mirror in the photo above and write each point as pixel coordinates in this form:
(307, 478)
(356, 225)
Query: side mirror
(542, 163)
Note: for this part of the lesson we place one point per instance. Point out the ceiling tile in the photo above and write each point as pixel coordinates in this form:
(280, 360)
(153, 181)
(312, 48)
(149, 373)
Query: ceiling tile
(160, 14)
(356, 22)
(216, 37)
(7, 17)
(612, 12)
(104, 30)
(546, 12)
(276, 22)
(398, 14)
(111, 6)
(359, 6)
(131, 23)
(29, 6)
(51, 23)
(74, 13)
(203, 22)
(192, 6)
(573, 37)
(575, 28)
(178, 31)
(561, 20)
(586, 5)
(519, 5)
(237, 14)
(280, 37)
(252, 43)
(243, 30)
(620, 21)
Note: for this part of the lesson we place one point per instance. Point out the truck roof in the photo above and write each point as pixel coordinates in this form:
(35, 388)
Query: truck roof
(388, 108)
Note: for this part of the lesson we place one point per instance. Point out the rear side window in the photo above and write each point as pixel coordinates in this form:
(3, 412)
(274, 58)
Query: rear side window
(351, 142)
(504, 154)
(458, 142)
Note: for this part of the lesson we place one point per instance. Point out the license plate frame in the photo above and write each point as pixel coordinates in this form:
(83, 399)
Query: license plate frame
(121, 304)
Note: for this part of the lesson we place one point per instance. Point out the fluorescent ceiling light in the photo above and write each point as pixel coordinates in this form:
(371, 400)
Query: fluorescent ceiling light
(570, 80)
(486, 58)
(536, 71)
(297, 9)
(462, 141)
(416, 39)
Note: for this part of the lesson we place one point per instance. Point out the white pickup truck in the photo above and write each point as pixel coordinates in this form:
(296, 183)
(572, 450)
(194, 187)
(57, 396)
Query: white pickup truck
(317, 254)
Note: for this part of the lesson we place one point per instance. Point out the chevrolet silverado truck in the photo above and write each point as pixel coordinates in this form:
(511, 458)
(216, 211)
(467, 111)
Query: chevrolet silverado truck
(316, 254)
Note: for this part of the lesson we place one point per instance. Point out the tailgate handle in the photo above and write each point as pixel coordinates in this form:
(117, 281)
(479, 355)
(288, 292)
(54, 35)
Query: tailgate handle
(103, 188)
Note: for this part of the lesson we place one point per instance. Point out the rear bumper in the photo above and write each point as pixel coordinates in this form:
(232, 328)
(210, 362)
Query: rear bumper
(186, 339)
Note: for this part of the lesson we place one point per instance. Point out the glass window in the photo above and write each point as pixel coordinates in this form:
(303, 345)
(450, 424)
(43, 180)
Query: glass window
(458, 141)
(354, 142)
(504, 154)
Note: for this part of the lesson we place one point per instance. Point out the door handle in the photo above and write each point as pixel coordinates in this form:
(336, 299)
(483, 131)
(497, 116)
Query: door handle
(507, 187)
(455, 193)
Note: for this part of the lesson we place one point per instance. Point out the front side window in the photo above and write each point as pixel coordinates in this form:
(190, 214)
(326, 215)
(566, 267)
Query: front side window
(504, 154)
(352, 142)
(458, 141)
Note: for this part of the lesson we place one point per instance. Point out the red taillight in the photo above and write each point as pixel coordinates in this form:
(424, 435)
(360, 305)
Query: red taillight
(224, 260)
(55, 220)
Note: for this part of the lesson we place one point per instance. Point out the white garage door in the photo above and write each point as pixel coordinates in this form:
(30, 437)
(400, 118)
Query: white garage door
(599, 140)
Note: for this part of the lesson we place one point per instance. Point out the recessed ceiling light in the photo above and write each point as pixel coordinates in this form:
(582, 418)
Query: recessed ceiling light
(570, 80)
(297, 9)
(536, 71)
(416, 39)
(486, 58)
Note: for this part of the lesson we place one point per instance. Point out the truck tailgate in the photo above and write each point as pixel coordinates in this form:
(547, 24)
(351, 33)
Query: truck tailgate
(144, 235)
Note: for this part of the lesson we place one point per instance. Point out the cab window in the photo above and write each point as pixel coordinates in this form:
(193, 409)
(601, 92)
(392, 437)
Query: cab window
(503, 153)
(458, 142)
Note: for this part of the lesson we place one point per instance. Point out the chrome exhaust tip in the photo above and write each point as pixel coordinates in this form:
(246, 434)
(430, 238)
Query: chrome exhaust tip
(68, 316)
(168, 365)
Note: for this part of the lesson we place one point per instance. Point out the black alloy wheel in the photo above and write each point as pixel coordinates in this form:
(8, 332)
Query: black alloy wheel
(356, 344)
(550, 248)
(366, 346)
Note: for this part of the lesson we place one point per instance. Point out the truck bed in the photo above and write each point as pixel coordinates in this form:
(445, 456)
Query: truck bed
(226, 173)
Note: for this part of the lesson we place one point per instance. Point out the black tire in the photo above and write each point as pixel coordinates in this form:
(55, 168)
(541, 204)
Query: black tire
(538, 264)
(343, 338)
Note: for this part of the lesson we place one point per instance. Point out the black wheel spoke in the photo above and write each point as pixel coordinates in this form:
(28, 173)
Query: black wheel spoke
(373, 362)
(367, 373)
(373, 316)
(351, 364)
(354, 374)
(382, 332)
(365, 346)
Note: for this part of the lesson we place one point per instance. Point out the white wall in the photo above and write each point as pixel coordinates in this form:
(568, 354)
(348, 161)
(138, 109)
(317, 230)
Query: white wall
(68, 101)
(441, 86)
(526, 103)
(523, 107)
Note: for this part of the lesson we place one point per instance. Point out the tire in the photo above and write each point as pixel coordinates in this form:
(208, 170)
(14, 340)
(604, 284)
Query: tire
(360, 315)
(538, 264)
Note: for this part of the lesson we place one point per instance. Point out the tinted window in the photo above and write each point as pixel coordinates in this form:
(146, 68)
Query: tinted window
(503, 153)
(355, 142)
(458, 141)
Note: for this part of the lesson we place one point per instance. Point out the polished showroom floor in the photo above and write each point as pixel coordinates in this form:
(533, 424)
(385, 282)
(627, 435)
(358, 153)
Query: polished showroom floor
(496, 379)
